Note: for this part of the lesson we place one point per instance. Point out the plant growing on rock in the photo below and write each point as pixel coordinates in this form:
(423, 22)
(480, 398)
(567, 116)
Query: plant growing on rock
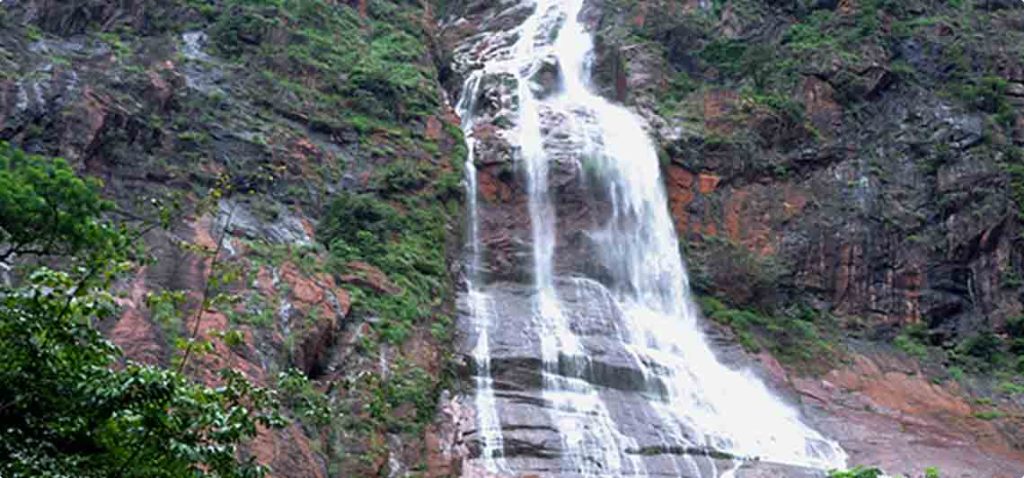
(70, 403)
(857, 472)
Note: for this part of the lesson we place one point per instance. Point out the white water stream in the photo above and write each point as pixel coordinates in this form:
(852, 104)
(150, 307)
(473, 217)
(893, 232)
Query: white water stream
(701, 403)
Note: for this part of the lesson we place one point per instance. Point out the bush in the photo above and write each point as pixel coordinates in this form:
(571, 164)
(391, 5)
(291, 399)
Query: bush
(857, 472)
(792, 335)
(350, 217)
(408, 248)
(322, 58)
(985, 346)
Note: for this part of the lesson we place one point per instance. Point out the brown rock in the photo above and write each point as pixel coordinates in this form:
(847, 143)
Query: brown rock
(718, 106)
(303, 289)
(163, 82)
(707, 183)
(288, 452)
(433, 131)
(367, 275)
(136, 335)
(821, 107)
(680, 190)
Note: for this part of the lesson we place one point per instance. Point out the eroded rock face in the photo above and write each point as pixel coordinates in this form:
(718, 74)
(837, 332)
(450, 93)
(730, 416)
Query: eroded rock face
(890, 415)
(896, 219)
(533, 442)
(531, 417)
(884, 204)
(163, 117)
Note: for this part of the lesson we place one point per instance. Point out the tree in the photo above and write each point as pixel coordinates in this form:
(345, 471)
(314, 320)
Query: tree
(47, 210)
(70, 404)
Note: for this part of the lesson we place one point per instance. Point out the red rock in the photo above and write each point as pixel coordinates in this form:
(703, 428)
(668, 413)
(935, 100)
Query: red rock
(367, 275)
(680, 191)
(133, 332)
(733, 210)
(718, 106)
(707, 183)
(433, 131)
(288, 452)
(303, 289)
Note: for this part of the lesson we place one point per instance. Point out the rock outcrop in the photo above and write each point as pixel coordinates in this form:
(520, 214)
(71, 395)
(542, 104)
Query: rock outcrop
(857, 160)
(166, 101)
(834, 181)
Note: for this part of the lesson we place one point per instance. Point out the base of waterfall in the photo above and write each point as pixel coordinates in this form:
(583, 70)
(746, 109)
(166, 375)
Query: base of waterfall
(608, 399)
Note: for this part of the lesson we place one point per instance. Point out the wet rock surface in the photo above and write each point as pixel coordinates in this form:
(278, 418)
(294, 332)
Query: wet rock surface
(532, 439)
(892, 215)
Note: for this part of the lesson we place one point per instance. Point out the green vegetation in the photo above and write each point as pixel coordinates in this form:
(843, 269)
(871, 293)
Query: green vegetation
(856, 472)
(46, 210)
(70, 403)
(406, 386)
(865, 472)
(913, 341)
(740, 290)
(323, 61)
(402, 245)
(989, 415)
(793, 336)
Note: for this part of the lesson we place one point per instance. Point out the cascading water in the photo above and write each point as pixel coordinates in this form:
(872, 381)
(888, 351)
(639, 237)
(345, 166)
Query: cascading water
(480, 304)
(698, 404)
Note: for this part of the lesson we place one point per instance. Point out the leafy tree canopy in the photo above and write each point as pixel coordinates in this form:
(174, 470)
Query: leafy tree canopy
(47, 210)
(70, 404)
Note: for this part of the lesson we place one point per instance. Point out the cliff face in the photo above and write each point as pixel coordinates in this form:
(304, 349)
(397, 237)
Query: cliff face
(845, 181)
(845, 177)
(297, 113)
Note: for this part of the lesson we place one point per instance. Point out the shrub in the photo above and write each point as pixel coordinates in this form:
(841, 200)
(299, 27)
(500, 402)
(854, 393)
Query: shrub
(349, 215)
(857, 472)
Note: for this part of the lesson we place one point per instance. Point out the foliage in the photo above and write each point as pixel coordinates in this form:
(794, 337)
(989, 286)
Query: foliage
(1014, 166)
(404, 385)
(732, 273)
(857, 472)
(332, 59)
(46, 210)
(794, 335)
(913, 340)
(401, 177)
(68, 410)
(989, 415)
(864, 472)
(70, 404)
(981, 352)
(987, 94)
(403, 246)
(358, 220)
(299, 395)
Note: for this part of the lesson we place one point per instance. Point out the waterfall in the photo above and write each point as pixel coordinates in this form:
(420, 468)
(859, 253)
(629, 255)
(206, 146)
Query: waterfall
(695, 410)
(479, 302)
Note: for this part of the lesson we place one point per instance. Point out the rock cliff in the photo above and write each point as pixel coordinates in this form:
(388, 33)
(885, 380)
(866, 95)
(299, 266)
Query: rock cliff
(846, 178)
(270, 132)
